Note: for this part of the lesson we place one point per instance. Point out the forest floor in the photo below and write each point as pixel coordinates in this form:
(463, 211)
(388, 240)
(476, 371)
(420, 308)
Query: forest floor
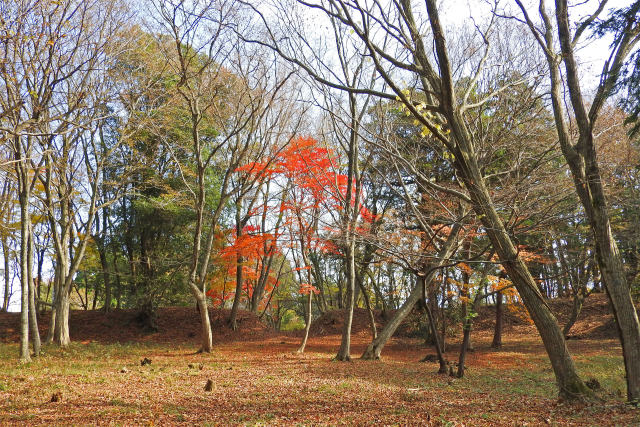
(258, 379)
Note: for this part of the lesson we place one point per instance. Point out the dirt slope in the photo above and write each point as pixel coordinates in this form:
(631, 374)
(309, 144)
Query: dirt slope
(175, 324)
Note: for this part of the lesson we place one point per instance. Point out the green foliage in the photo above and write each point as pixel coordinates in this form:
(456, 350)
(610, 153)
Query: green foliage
(291, 321)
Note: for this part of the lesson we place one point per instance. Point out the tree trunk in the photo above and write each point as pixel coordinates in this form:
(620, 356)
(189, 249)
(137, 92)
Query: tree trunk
(54, 304)
(374, 349)
(96, 293)
(106, 277)
(615, 283)
(578, 301)
(7, 274)
(569, 383)
(459, 142)
(466, 339)
(344, 352)
(443, 315)
(33, 322)
(307, 325)
(207, 340)
(367, 303)
(39, 283)
(118, 281)
(434, 330)
(497, 332)
(236, 298)
(24, 269)
(582, 160)
(33, 312)
(61, 332)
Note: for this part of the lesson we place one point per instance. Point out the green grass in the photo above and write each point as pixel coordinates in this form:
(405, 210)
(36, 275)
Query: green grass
(607, 369)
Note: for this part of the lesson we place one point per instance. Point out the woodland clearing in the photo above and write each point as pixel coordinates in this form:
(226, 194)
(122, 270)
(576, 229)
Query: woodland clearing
(258, 379)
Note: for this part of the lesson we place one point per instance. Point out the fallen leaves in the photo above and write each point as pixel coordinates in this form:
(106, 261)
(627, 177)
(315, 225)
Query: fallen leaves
(257, 380)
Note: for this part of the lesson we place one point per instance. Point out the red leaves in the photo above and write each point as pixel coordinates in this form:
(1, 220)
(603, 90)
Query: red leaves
(308, 173)
(305, 288)
(249, 246)
(367, 216)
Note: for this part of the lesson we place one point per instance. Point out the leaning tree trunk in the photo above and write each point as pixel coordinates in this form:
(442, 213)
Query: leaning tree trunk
(374, 349)
(459, 142)
(307, 325)
(569, 383)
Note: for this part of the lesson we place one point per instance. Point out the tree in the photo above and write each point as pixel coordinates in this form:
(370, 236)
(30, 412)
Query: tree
(394, 40)
(51, 58)
(7, 201)
(229, 93)
(580, 153)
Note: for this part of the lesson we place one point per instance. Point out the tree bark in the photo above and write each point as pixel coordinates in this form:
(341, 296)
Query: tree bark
(106, 276)
(367, 303)
(569, 383)
(307, 324)
(578, 301)
(497, 332)
(466, 339)
(207, 339)
(25, 219)
(344, 352)
(582, 160)
(7, 274)
(33, 312)
(434, 330)
(54, 309)
(239, 276)
(61, 331)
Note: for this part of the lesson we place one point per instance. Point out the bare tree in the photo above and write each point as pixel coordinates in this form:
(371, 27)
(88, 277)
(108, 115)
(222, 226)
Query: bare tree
(397, 44)
(229, 92)
(580, 151)
(51, 73)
